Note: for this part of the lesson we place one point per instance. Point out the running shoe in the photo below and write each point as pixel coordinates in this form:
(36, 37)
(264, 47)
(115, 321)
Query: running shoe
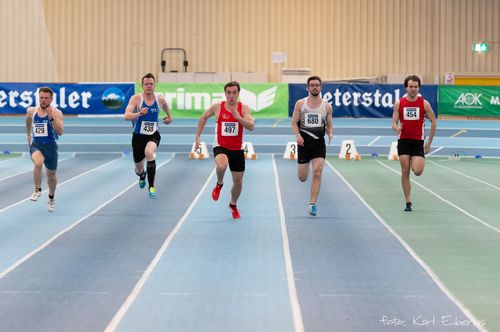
(36, 194)
(51, 205)
(152, 192)
(313, 210)
(408, 207)
(216, 191)
(234, 211)
(142, 180)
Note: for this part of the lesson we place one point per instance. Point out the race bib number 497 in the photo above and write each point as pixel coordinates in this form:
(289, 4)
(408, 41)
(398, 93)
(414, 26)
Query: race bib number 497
(229, 129)
(411, 113)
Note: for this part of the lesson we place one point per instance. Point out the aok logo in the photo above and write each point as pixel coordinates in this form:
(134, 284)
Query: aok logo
(469, 100)
(258, 102)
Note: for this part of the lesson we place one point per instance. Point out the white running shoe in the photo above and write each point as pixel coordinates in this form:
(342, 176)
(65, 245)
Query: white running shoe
(36, 194)
(51, 204)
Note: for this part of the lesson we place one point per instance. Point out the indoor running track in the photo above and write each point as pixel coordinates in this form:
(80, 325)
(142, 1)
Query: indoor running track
(111, 259)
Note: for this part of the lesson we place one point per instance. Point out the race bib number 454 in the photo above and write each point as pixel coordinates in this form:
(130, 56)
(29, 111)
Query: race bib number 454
(229, 129)
(411, 113)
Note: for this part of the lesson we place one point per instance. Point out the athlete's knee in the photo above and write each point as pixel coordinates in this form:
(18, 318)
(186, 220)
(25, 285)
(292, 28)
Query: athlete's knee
(150, 155)
(317, 172)
(418, 172)
(38, 164)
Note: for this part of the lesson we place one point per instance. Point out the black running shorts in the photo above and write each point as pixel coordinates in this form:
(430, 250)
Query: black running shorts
(411, 147)
(236, 158)
(311, 150)
(139, 143)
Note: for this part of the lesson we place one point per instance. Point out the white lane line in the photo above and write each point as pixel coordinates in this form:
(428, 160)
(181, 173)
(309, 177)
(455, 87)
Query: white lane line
(292, 290)
(31, 170)
(484, 223)
(373, 141)
(113, 324)
(434, 151)
(467, 176)
(64, 182)
(55, 237)
(429, 271)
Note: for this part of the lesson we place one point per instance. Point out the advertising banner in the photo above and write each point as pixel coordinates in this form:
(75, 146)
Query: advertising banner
(466, 100)
(362, 100)
(84, 98)
(189, 100)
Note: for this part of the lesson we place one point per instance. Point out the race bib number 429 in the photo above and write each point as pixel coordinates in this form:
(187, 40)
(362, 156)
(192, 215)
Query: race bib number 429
(411, 113)
(40, 129)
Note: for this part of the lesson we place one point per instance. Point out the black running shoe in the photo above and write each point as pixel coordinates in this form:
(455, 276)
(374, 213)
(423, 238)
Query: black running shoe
(408, 207)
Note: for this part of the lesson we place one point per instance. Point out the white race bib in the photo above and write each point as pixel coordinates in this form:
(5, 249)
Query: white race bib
(312, 120)
(411, 113)
(40, 129)
(148, 127)
(229, 128)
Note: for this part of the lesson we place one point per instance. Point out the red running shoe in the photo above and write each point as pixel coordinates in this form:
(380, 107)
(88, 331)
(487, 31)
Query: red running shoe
(234, 211)
(216, 191)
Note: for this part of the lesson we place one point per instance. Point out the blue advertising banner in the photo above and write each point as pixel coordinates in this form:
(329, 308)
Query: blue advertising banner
(361, 100)
(70, 98)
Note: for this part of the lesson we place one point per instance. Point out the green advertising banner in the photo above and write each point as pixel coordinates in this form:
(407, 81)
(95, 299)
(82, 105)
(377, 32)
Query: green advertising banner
(465, 100)
(189, 100)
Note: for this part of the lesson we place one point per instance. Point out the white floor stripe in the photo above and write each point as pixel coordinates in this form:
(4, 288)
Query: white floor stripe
(292, 290)
(429, 271)
(467, 176)
(376, 139)
(484, 223)
(113, 324)
(63, 183)
(434, 151)
(55, 237)
(31, 170)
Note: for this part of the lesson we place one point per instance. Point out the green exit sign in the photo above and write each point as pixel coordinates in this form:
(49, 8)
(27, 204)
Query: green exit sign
(480, 47)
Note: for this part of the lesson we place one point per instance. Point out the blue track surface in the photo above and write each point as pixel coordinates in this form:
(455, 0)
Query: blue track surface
(110, 258)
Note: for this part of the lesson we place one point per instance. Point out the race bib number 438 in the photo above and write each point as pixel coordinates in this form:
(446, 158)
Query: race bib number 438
(229, 129)
(411, 113)
(148, 127)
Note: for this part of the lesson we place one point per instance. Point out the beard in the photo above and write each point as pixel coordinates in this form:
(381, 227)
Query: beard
(315, 94)
(44, 106)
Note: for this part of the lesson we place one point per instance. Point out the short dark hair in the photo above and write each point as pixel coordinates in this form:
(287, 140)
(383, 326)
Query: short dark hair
(313, 78)
(46, 89)
(232, 83)
(413, 78)
(148, 75)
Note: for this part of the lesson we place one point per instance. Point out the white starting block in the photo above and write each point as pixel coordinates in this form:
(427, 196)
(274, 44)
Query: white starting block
(348, 150)
(249, 151)
(290, 151)
(199, 152)
(393, 151)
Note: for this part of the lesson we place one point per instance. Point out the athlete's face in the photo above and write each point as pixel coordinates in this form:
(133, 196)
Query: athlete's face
(45, 99)
(232, 94)
(412, 89)
(148, 86)
(314, 88)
